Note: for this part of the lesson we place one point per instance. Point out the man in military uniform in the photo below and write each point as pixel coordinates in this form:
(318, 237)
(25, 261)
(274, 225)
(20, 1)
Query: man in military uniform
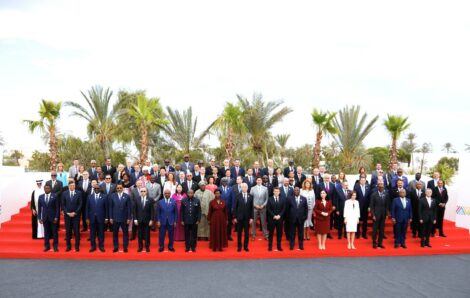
(190, 215)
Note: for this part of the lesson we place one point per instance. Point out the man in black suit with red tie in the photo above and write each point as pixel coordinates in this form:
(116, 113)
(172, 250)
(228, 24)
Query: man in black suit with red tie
(297, 209)
(441, 196)
(243, 216)
(276, 209)
(257, 172)
(415, 197)
(72, 206)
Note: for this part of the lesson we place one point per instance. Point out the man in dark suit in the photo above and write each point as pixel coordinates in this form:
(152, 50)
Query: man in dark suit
(168, 167)
(72, 206)
(143, 213)
(93, 174)
(210, 167)
(330, 190)
(427, 212)
(243, 213)
(379, 206)
(190, 214)
(276, 210)
(268, 185)
(290, 168)
(441, 196)
(227, 195)
(287, 192)
(120, 214)
(237, 170)
(363, 196)
(299, 177)
(340, 198)
(108, 188)
(316, 178)
(436, 176)
(56, 188)
(250, 179)
(186, 165)
(48, 214)
(109, 169)
(256, 170)
(136, 174)
(298, 210)
(84, 186)
(401, 216)
(167, 213)
(97, 214)
(415, 196)
(189, 183)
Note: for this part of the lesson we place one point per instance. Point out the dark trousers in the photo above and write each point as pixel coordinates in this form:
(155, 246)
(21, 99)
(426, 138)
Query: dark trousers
(275, 225)
(287, 228)
(378, 229)
(50, 228)
(299, 227)
(72, 223)
(362, 228)
(125, 234)
(143, 234)
(415, 226)
(97, 229)
(190, 236)
(230, 224)
(171, 232)
(339, 223)
(243, 226)
(439, 220)
(426, 228)
(82, 214)
(400, 232)
(134, 231)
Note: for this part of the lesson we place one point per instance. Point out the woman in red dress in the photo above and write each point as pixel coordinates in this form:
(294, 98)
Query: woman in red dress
(323, 209)
(217, 219)
(178, 196)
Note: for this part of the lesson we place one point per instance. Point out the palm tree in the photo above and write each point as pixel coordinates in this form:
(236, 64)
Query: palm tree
(425, 148)
(395, 125)
(49, 113)
(409, 146)
(259, 118)
(181, 130)
(2, 141)
(100, 116)
(282, 140)
(324, 123)
(467, 147)
(147, 114)
(352, 130)
(228, 124)
(448, 148)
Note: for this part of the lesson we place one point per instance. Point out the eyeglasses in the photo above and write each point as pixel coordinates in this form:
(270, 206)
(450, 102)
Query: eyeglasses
(108, 177)
(53, 175)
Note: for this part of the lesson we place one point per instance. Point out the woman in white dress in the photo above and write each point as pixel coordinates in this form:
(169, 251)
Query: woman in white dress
(280, 177)
(170, 184)
(38, 228)
(309, 194)
(352, 214)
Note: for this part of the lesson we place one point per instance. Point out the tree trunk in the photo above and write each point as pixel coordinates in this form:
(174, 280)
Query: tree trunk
(393, 153)
(143, 145)
(52, 148)
(317, 151)
(229, 146)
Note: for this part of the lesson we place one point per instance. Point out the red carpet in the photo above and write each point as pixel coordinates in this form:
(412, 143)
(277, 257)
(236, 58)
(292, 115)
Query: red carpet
(16, 242)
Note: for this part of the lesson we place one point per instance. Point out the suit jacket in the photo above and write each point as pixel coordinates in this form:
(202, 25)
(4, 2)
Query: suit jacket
(247, 181)
(290, 192)
(97, 210)
(260, 196)
(427, 213)
(57, 188)
(169, 169)
(228, 196)
(394, 193)
(233, 173)
(144, 213)
(289, 169)
(340, 199)
(112, 189)
(363, 198)
(258, 172)
(399, 213)
(190, 211)
(49, 211)
(395, 179)
(120, 210)
(440, 197)
(412, 185)
(276, 209)
(331, 191)
(209, 171)
(93, 174)
(85, 192)
(111, 171)
(185, 168)
(299, 181)
(194, 186)
(161, 181)
(166, 213)
(297, 214)
(374, 181)
(315, 184)
(432, 184)
(379, 206)
(135, 176)
(243, 211)
(415, 200)
(72, 204)
(154, 190)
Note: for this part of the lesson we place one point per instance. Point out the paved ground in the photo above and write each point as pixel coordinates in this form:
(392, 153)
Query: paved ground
(432, 276)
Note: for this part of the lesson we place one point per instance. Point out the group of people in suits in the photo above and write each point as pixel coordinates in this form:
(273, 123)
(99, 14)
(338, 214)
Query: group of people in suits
(211, 201)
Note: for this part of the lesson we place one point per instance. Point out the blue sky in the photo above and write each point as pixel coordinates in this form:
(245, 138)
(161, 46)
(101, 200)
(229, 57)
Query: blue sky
(409, 57)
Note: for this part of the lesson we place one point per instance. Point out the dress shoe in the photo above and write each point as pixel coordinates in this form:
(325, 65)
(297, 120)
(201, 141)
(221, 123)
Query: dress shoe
(270, 249)
(422, 245)
(301, 248)
(433, 235)
(329, 236)
(414, 235)
(125, 249)
(385, 237)
(291, 248)
(194, 249)
(92, 249)
(171, 249)
(220, 249)
(83, 231)
(115, 250)
(230, 239)
(403, 245)
(381, 246)
(428, 245)
(147, 249)
(139, 250)
(186, 250)
(46, 249)
(77, 249)
(239, 249)
(160, 249)
(246, 249)
(374, 246)
(442, 235)
(102, 249)
(68, 249)
(279, 249)
(396, 245)
(364, 236)
(132, 238)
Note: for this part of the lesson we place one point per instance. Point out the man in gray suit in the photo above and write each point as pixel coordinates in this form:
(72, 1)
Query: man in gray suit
(73, 170)
(187, 166)
(154, 189)
(260, 200)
